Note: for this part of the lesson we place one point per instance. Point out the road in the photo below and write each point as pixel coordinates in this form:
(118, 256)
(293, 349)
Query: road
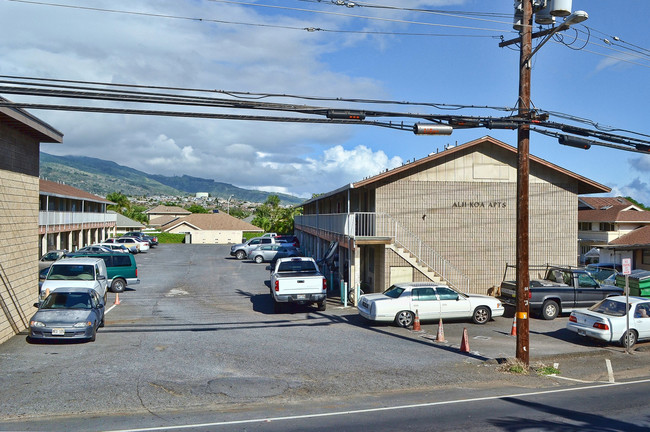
(199, 336)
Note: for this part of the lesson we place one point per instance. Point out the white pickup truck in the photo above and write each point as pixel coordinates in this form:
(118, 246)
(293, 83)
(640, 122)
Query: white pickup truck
(297, 280)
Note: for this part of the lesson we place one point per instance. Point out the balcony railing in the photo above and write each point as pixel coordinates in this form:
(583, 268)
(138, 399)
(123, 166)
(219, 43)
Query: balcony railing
(50, 218)
(383, 225)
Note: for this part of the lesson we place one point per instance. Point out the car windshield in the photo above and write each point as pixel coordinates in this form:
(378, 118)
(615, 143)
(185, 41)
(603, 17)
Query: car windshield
(394, 291)
(609, 307)
(59, 300)
(51, 256)
(71, 272)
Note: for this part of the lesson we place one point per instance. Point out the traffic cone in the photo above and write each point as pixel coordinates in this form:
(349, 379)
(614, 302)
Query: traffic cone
(464, 343)
(441, 332)
(513, 331)
(117, 298)
(416, 323)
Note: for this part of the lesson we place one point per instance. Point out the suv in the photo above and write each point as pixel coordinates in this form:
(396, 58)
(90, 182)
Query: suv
(241, 250)
(121, 269)
(272, 252)
(86, 272)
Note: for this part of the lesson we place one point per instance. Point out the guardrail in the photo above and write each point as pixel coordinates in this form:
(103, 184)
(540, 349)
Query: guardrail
(49, 218)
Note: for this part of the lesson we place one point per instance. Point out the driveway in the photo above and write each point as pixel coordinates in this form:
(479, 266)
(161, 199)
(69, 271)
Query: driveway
(199, 331)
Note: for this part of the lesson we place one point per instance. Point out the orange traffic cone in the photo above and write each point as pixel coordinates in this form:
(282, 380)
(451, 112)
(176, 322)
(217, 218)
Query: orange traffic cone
(441, 332)
(513, 331)
(464, 343)
(117, 298)
(416, 323)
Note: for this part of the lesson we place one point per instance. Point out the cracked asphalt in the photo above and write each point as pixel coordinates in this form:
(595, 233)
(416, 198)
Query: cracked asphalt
(200, 331)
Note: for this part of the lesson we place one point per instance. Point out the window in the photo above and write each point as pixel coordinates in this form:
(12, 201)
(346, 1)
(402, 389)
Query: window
(424, 294)
(607, 226)
(446, 293)
(584, 226)
(122, 261)
(646, 257)
(585, 281)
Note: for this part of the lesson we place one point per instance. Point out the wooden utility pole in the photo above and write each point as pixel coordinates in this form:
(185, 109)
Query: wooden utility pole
(523, 171)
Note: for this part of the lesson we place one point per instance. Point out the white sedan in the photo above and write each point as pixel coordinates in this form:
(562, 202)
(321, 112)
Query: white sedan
(431, 301)
(607, 321)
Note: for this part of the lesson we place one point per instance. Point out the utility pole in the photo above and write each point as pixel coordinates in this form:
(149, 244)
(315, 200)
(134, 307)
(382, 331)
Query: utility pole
(523, 171)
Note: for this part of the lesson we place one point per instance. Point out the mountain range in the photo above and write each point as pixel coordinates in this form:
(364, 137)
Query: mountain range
(102, 177)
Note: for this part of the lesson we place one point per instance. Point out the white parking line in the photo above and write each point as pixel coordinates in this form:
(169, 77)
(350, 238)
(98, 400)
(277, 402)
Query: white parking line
(610, 371)
(109, 309)
(370, 410)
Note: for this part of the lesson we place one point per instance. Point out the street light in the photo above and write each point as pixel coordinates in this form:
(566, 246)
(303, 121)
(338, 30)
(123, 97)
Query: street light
(229, 203)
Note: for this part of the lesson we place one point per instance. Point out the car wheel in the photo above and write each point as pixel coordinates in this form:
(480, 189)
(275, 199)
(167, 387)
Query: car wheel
(322, 305)
(481, 315)
(240, 254)
(118, 285)
(94, 336)
(259, 259)
(550, 310)
(101, 323)
(404, 318)
(105, 296)
(631, 335)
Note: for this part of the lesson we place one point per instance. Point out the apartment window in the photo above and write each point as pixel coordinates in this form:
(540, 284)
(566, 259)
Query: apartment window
(646, 257)
(607, 226)
(584, 226)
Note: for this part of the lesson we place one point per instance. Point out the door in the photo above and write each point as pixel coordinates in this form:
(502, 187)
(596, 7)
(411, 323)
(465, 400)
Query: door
(425, 302)
(588, 291)
(452, 304)
(642, 320)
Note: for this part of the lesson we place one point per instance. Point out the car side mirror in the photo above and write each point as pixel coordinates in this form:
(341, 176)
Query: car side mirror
(36, 305)
(101, 277)
(457, 298)
(268, 267)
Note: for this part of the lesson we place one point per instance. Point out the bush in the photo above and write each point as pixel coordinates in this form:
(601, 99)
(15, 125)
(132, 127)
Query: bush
(164, 237)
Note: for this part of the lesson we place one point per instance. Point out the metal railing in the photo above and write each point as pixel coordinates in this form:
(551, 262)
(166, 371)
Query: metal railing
(366, 224)
(49, 218)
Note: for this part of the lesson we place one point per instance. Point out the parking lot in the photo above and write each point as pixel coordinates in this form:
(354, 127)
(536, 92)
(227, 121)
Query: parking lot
(200, 331)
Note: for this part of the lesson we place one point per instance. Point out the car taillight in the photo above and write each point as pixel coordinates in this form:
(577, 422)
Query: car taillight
(324, 284)
(601, 326)
(572, 318)
(136, 273)
(277, 285)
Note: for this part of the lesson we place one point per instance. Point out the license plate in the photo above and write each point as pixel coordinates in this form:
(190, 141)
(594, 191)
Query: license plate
(301, 297)
(582, 332)
(58, 332)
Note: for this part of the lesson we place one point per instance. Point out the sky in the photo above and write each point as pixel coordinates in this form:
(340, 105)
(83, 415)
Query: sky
(597, 72)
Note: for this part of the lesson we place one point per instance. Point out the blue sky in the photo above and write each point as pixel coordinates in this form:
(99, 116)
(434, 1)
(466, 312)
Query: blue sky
(461, 64)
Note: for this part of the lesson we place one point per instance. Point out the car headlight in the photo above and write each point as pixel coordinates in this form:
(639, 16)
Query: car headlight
(36, 324)
(82, 324)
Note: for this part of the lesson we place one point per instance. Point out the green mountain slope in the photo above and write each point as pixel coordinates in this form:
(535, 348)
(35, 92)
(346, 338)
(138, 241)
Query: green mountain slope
(102, 177)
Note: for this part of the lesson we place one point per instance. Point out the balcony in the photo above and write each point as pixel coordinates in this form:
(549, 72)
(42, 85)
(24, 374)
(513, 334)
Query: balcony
(57, 218)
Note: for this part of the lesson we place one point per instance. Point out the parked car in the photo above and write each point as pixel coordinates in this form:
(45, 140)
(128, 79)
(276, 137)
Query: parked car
(152, 240)
(91, 249)
(285, 251)
(269, 252)
(134, 244)
(269, 234)
(562, 289)
(68, 313)
(291, 239)
(602, 272)
(298, 280)
(115, 247)
(121, 269)
(607, 320)
(47, 259)
(241, 250)
(431, 300)
(86, 272)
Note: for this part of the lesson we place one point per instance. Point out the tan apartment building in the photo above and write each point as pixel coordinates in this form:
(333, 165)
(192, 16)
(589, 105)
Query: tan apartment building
(20, 136)
(70, 218)
(449, 216)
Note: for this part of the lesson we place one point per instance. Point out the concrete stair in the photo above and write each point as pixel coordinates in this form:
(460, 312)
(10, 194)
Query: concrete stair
(415, 263)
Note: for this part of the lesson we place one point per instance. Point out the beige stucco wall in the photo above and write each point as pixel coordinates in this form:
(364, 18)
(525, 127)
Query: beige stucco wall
(210, 237)
(18, 250)
(466, 210)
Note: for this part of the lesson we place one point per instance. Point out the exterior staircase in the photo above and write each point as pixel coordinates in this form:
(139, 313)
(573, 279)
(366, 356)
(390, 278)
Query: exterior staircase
(415, 263)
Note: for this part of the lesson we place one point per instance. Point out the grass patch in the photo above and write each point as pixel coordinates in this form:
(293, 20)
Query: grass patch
(164, 237)
(514, 366)
(547, 370)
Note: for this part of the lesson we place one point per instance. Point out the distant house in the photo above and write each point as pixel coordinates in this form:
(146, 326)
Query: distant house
(161, 214)
(617, 228)
(210, 228)
(70, 218)
(124, 224)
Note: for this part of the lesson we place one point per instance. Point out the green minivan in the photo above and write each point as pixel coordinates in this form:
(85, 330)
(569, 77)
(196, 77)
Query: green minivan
(121, 268)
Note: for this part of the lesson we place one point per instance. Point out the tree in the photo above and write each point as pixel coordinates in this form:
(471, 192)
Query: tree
(273, 218)
(121, 201)
(195, 208)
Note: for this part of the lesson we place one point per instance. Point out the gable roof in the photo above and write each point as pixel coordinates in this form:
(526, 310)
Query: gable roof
(29, 124)
(639, 237)
(125, 222)
(50, 188)
(602, 203)
(211, 222)
(585, 185)
(161, 209)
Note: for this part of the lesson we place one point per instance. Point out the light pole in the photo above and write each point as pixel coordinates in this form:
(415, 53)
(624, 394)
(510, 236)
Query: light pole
(523, 167)
(229, 203)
